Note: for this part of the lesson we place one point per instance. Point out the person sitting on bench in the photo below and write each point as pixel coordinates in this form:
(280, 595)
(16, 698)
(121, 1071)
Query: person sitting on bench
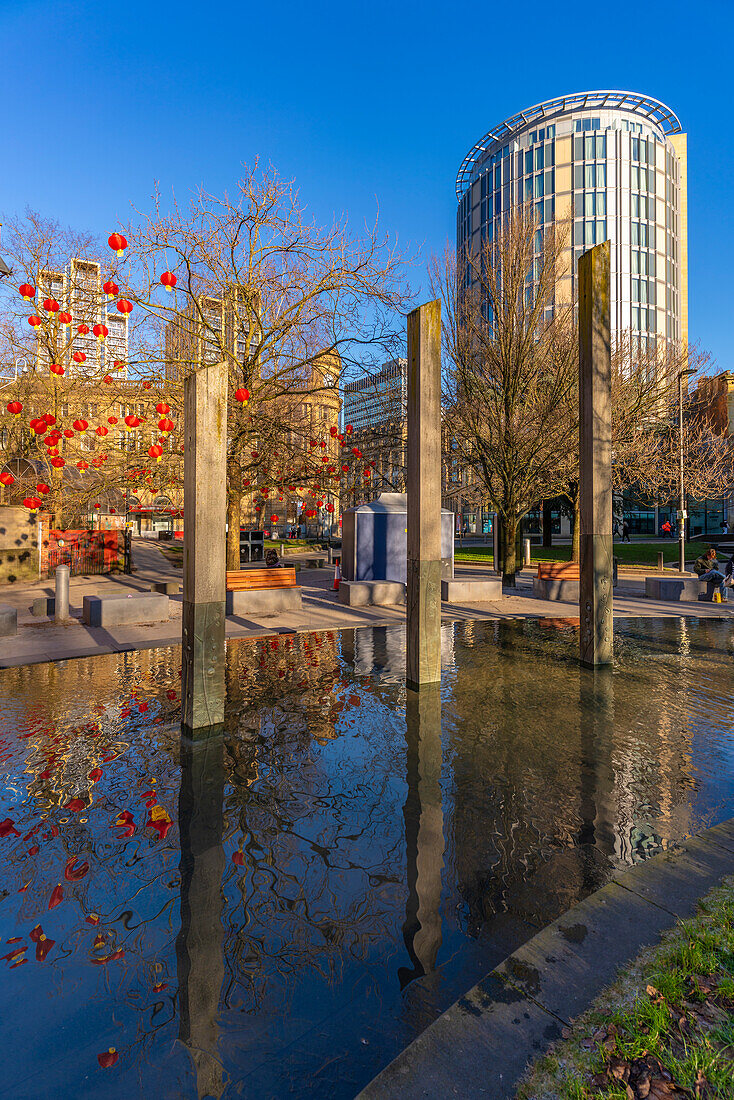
(711, 572)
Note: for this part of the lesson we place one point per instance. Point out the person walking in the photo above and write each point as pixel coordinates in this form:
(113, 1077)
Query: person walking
(626, 532)
(666, 529)
(725, 527)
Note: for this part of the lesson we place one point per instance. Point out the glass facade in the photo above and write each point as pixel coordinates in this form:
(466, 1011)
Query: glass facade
(615, 172)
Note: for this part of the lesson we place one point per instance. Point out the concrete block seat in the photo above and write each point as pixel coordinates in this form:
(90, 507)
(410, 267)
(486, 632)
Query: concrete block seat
(687, 588)
(168, 588)
(8, 620)
(262, 591)
(468, 590)
(557, 581)
(121, 610)
(369, 593)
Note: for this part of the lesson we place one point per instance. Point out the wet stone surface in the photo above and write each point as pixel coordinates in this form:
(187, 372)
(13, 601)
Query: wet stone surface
(280, 909)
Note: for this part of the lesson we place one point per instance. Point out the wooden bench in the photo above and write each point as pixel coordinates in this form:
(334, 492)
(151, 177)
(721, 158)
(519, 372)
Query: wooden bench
(557, 580)
(247, 580)
(262, 592)
(558, 570)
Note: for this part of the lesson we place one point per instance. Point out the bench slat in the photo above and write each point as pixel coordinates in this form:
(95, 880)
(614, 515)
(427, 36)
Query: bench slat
(558, 570)
(240, 580)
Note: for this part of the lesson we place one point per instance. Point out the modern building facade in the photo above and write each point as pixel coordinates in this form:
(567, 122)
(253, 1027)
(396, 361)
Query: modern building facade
(376, 408)
(78, 288)
(615, 165)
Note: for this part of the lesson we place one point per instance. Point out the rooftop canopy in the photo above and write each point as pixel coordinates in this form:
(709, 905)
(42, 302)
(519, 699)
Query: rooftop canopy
(636, 103)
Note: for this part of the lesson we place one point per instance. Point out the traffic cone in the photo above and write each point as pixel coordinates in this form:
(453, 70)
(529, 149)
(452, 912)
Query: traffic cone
(337, 574)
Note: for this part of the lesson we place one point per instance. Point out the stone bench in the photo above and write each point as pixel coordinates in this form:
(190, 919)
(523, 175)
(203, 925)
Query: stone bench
(468, 590)
(44, 606)
(262, 591)
(8, 620)
(367, 593)
(686, 589)
(114, 610)
(168, 588)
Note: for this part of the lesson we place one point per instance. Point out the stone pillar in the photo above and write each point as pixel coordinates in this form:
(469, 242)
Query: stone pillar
(205, 510)
(199, 954)
(423, 631)
(423, 812)
(595, 456)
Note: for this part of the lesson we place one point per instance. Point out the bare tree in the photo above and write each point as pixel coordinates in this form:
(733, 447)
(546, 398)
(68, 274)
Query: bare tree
(512, 366)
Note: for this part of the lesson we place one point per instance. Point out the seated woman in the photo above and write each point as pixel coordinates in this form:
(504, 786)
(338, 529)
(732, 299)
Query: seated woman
(708, 569)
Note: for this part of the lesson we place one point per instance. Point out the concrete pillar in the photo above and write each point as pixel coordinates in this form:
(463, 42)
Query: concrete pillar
(423, 483)
(595, 454)
(199, 954)
(61, 606)
(205, 510)
(423, 812)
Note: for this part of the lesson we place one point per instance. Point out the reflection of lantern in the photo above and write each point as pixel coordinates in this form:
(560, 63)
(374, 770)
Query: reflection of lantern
(6, 478)
(117, 243)
(15, 408)
(56, 368)
(123, 306)
(64, 318)
(81, 425)
(27, 291)
(101, 332)
(51, 305)
(82, 329)
(242, 395)
(111, 288)
(169, 280)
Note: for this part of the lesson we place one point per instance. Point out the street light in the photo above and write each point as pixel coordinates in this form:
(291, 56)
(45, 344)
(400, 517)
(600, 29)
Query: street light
(681, 500)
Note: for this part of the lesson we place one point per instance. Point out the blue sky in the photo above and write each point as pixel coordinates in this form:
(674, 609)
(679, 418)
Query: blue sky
(359, 103)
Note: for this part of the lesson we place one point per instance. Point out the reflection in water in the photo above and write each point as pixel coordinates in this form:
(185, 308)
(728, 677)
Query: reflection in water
(199, 942)
(423, 814)
(250, 944)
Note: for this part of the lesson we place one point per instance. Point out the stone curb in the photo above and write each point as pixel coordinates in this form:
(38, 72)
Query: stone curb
(482, 1045)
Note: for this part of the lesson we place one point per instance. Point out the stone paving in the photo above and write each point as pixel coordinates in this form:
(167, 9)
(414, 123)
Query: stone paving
(40, 639)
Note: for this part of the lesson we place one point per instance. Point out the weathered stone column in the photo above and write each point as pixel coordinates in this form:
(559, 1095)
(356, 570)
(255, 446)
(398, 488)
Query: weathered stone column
(423, 630)
(595, 455)
(423, 812)
(205, 481)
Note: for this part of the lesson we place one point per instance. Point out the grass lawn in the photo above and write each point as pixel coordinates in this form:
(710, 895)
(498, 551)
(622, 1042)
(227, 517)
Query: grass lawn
(665, 1029)
(629, 553)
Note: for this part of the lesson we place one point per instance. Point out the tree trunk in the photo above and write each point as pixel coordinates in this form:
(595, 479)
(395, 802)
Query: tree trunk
(509, 551)
(547, 524)
(576, 541)
(234, 511)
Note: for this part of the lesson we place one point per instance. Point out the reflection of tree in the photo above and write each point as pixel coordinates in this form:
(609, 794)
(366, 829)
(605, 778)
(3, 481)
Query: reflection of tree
(423, 813)
(199, 942)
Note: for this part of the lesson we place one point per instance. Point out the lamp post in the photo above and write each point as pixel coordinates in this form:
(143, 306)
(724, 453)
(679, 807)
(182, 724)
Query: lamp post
(681, 500)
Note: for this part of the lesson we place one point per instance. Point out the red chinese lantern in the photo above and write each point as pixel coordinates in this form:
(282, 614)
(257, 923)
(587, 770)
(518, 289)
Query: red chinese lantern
(82, 329)
(242, 395)
(108, 1057)
(79, 357)
(132, 421)
(349, 429)
(117, 243)
(68, 433)
(83, 465)
(155, 451)
(58, 462)
(43, 488)
(51, 305)
(120, 365)
(273, 519)
(111, 419)
(64, 318)
(81, 425)
(56, 368)
(15, 407)
(27, 291)
(49, 419)
(101, 430)
(169, 280)
(35, 321)
(146, 385)
(333, 432)
(162, 408)
(111, 288)
(165, 425)
(6, 478)
(39, 426)
(368, 474)
(107, 379)
(123, 306)
(101, 332)
(345, 469)
(32, 504)
(329, 507)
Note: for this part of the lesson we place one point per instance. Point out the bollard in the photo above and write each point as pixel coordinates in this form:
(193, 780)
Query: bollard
(661, 563)
(62, 593)
(525, 553)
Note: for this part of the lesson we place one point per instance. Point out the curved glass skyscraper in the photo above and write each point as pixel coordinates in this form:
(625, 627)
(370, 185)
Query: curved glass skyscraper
(614, 163)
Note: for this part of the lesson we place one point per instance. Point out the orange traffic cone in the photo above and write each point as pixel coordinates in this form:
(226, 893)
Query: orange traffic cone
(337, 574)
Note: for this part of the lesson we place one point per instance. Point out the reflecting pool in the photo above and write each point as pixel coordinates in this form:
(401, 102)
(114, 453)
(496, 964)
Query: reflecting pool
(276, 911)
